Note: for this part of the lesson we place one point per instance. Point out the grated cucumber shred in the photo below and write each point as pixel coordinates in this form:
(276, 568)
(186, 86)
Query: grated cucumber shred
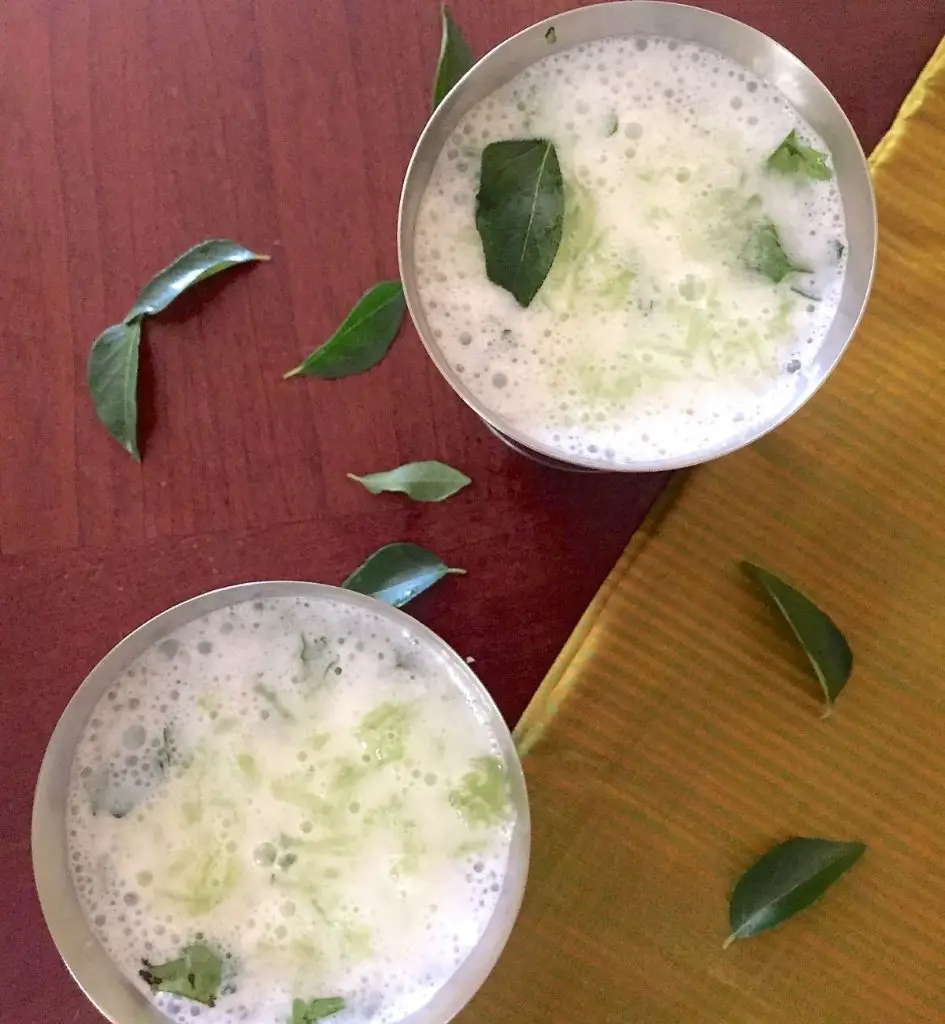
(383, 733)
(586, 267)
(482, 796)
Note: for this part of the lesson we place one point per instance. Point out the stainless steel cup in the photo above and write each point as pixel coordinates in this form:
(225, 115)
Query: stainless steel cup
(108, 989)
(741, 43)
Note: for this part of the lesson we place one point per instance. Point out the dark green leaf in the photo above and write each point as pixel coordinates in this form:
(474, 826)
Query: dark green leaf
(397, 573)
(613, 123)
(520, 214)
(363, 338)
(550, 35)
(456, 58)
(113, 382)
(315, 1009)
(422, 481)
(764, 253)
(821, 641)
(793, 157)
(195, 975)
(203, 260)
(786, 880)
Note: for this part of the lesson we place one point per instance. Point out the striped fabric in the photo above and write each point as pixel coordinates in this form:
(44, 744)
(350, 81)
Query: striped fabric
(679, 734)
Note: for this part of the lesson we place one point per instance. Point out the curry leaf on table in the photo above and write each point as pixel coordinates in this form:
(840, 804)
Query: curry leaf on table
(113, 359)
(763, 252)
(520, 213)
(456, 58)
(362, 340)
(312, 1010)
(194, 975)
(793, 157)
(113, 382)
(786, 880)
(198, 263)
(421, 481)
(397, 573)
(819, 638)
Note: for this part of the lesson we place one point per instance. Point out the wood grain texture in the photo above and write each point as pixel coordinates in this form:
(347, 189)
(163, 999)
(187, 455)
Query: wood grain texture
(132, 129)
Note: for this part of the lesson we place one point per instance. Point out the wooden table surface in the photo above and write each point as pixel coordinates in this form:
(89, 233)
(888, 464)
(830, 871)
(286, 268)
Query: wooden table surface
(134, 128)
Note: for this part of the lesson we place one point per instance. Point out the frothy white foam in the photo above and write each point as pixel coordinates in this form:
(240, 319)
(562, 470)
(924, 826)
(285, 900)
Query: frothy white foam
(307, 810)
(650, 339)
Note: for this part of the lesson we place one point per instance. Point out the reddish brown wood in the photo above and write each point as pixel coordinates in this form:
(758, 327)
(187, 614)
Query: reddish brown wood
(131, 129)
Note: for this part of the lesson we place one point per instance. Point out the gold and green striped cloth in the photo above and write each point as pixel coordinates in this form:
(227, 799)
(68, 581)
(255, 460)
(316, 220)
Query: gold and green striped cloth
(679, 735)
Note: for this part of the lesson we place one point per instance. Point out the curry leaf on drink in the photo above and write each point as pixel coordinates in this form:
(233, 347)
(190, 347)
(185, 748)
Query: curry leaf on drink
(763, 252)
(786, 880)
(820, 639)
(197, 264)
(456, 58)
(551, 36)
(793, 157)
(194, 975)
(312, 1010)
(421, 481)
(397, 573)
(113, 382)
(520, 213)
(362, 340)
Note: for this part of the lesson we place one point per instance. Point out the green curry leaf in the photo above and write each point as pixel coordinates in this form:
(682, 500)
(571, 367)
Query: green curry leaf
(820, 639)
(194, 975)
(113, 382)
(397, 573)
(786, 880)
(456, 58)
(198, 263)
(363, 338)
(113, 359)
(421, 481)
(793, 157)
(312, 1010)
(520, 214)
(764, 253)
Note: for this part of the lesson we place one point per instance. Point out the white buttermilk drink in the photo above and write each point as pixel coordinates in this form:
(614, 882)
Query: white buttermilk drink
(651, 338)
(300, 798)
